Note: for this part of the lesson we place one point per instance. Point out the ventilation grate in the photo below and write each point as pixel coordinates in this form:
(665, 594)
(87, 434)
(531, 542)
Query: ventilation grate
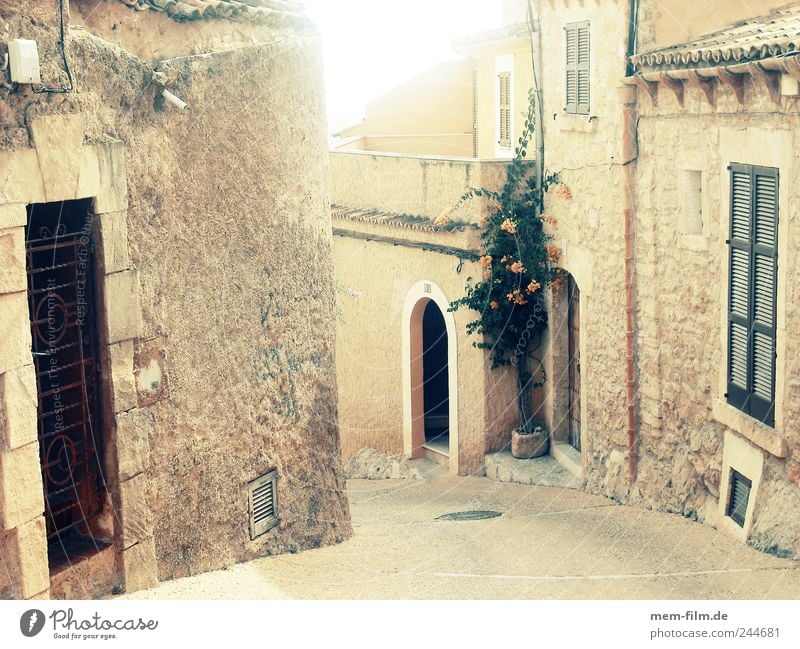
(428, 288)
(740, 496)
(263, 503)
(475, 515)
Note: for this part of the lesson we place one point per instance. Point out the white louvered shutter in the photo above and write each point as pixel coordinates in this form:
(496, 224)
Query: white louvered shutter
(577, 93)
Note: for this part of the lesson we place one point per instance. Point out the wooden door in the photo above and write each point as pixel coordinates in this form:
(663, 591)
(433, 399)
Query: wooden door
(574, 301)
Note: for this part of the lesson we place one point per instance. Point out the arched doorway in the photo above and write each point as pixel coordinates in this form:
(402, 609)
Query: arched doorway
(435, 391)
(430, 384)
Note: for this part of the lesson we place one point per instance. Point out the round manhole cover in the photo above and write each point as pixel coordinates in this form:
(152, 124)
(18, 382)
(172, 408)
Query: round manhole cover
(476, 515)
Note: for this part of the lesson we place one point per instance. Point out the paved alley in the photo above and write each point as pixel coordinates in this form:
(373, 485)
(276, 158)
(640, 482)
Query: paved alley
(549, 543)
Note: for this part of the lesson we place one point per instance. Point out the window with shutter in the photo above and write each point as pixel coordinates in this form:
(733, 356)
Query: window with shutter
(475, 113)
(504, 101)
(753, 267)
(577, 68)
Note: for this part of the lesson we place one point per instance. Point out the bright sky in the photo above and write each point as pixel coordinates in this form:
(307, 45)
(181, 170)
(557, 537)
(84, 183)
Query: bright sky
(370, 46)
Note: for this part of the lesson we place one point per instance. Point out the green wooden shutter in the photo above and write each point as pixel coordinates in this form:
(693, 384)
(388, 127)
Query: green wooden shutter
(752, 292)
(577, 68)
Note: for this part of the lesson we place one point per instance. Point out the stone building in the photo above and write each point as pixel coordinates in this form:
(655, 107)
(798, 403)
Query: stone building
(716, 248)
(167, 376)
(669, 358)
(410, 380)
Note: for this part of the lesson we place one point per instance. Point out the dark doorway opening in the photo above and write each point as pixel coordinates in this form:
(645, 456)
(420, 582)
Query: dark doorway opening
(574, 335)
(61, 297)
(436, 389)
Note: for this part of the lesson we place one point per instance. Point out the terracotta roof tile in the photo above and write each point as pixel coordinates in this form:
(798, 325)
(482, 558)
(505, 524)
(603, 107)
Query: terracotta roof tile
(754, 39)
(395, 220)
(256, 11)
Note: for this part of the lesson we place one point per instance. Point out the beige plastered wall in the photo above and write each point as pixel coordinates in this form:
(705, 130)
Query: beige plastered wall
(429, 114)
(513, 55)
(410, 184)
(374, 280)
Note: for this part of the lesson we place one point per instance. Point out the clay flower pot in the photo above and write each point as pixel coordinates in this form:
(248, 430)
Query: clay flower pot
(533, 444)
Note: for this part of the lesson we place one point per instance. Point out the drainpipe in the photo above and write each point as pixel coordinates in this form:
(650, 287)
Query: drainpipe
(534, 29)
(629, 154)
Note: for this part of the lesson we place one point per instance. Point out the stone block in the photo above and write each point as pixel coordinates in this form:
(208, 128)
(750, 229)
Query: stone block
(112, 195)
(20, 177)
(18, 407)
(121, 301)
(133, 442)
(58, 140)
(150, 367)
(88, 182)
(137, 518)
(21, 490)
(13, 215)
(15, 342)
(12, 261)
(113, 242)
(123, 383)
(139, 567)
(25, 551)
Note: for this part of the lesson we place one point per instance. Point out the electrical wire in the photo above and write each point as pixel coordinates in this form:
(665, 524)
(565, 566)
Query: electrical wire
(62, 89)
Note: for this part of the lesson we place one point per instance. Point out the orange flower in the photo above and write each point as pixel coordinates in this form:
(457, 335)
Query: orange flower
(505, 259)
(517, 297)
(509, 226)
(553, 253)
(563, 191)
(494, 304)
(516, 267)
(533, 286)
(486, 261)
(549, 218)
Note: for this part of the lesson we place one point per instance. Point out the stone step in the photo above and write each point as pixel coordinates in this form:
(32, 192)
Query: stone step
(540, 471)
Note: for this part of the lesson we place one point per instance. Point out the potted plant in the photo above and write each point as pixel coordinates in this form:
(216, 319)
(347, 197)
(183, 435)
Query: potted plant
(519, 261)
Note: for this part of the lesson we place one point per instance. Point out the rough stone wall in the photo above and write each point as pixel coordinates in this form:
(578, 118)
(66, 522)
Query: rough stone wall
(683, 307)
(586, 152)
(227, 224)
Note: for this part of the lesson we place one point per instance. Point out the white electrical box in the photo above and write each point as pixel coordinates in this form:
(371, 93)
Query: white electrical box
(23, 59)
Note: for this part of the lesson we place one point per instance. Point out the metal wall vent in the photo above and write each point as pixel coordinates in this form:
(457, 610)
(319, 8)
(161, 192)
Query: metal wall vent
(262, 495)
(427, 288)
(740, 496)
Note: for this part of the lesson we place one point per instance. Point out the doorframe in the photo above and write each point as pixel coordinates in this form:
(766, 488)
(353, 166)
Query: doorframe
(60, 167)
(417, 298)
